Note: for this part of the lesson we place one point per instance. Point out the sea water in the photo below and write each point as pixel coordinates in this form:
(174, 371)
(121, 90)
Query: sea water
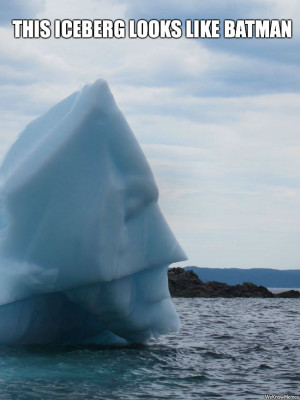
(226, 348)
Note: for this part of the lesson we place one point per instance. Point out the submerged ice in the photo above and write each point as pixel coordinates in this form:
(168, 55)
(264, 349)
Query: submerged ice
(84, 250)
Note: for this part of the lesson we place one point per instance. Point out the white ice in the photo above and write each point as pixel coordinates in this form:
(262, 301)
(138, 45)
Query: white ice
(85, 249)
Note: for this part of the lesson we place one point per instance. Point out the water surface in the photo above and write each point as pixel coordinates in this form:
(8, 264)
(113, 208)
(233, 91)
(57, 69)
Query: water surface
(227, 349)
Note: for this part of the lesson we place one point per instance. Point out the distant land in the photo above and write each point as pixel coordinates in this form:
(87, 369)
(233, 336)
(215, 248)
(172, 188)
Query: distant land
(271, 278)
(183, 283)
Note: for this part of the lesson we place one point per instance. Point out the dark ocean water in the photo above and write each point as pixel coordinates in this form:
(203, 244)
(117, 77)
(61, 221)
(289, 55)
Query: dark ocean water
(227, 349)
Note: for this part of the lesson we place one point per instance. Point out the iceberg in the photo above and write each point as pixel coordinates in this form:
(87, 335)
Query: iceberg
(84, 247)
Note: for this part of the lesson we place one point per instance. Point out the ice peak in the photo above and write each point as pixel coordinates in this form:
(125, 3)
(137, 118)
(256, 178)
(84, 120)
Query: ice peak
(95, 95)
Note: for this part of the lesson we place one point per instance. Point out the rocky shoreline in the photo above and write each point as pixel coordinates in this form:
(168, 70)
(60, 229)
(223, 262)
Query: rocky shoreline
(184, 283)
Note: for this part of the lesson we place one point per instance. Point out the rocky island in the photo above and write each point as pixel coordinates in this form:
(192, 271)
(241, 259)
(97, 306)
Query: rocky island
(184, 283)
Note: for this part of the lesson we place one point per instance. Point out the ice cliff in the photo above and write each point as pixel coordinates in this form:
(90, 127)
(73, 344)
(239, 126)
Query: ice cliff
(85, 249)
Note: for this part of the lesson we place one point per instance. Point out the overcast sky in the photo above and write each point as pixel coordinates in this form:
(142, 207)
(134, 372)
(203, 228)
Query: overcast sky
(217, 119)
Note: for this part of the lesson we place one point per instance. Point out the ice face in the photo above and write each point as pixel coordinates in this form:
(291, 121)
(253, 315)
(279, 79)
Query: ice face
(84, 234)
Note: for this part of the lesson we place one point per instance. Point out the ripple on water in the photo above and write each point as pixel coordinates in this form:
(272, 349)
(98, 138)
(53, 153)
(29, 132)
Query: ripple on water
(229, 349)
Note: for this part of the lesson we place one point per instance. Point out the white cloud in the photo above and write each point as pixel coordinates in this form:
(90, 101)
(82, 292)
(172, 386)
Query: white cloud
(19, 9)
(226, 162)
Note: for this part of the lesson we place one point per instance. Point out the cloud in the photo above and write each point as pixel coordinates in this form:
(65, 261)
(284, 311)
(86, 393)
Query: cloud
(231, 9)
(218, 120)
(25, 65)
(19, 9)
(231, 184)
(252, 58)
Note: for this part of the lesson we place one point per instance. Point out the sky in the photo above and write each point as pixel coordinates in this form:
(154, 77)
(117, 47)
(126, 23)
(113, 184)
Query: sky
(218, 119)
